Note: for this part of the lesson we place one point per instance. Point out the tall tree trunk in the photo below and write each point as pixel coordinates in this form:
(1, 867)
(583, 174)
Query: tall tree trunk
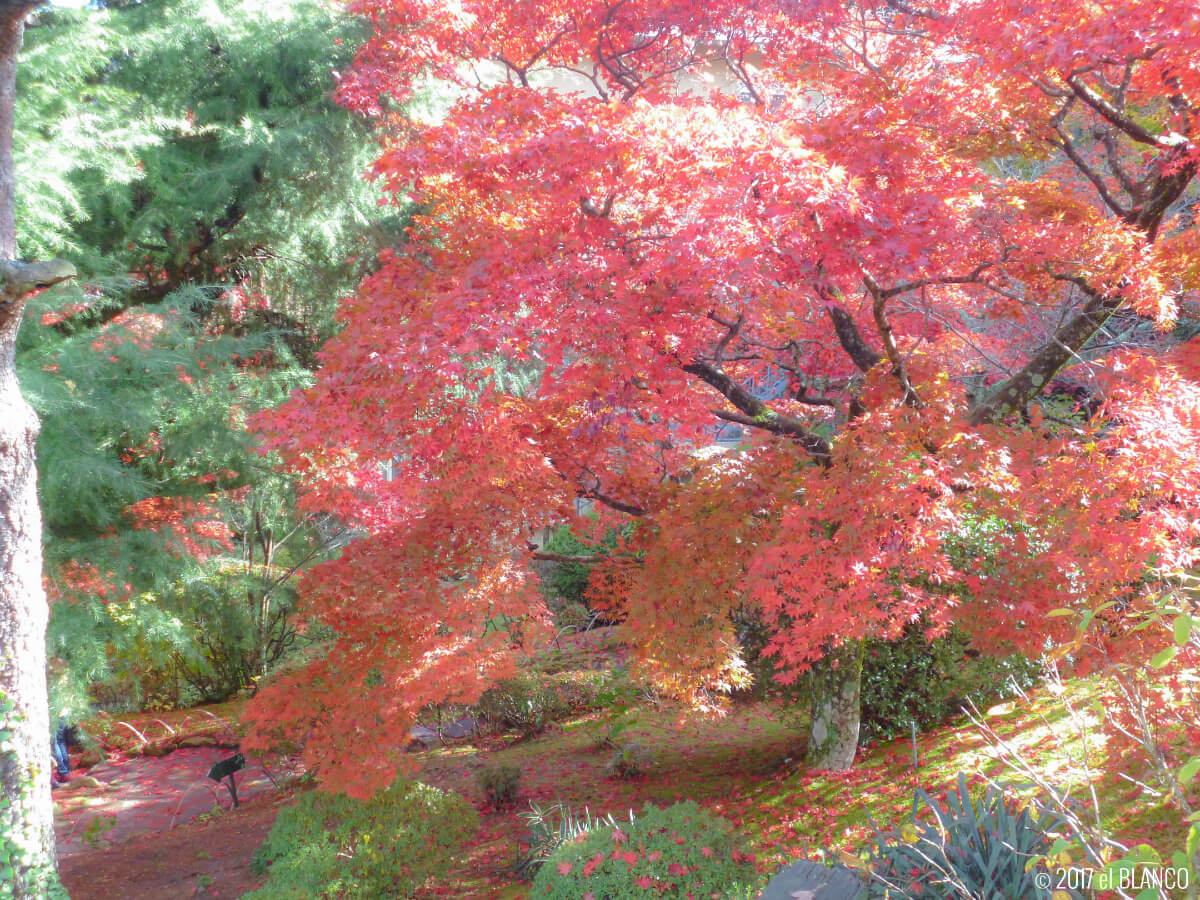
(26, 819)
(27, 859)
(836, 690)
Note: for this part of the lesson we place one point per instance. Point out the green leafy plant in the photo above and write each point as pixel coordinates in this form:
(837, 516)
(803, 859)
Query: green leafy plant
(210, 194)
(630, 760)
(583, 690)
(910, 679)
(679, 852)
(606, 734)
(565, 583)
(550, 828)
(329, 845)
(964, 848)
(95, 832)
(500, 785)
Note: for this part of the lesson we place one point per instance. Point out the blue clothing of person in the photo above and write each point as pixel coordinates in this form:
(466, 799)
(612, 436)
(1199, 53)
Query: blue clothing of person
(58, 747)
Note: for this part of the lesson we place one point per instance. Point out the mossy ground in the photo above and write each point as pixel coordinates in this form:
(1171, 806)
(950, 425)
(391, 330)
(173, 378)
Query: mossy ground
(747, 766)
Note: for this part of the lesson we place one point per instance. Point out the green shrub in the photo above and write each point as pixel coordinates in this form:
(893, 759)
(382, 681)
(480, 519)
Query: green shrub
(963, 848)
(566, 582)
(916, 680)
(500, 785)
(678, 852)
(524, 704)
(583, 690)
(573, 615)
(911, 679)
(328, 845)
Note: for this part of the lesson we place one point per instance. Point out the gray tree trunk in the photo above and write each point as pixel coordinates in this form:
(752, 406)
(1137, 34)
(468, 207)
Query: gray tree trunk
(836, 691)
(27, 859)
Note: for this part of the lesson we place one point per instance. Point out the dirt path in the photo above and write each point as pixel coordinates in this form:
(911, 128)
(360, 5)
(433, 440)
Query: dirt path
(122, 817)
(202, 858)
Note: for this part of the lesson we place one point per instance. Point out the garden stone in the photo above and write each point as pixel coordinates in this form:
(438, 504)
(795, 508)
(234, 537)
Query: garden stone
(422, 737)
(808, 880)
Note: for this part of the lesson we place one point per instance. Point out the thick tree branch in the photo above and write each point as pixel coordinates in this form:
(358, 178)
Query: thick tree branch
(851, 339)
(732, 330)
(884, 327)
(543, 556)
(1160, 192)
(1152, 196)
(1108, 112)
(756, 414)
(630, 509)
(1011, 395)
(1113, 152)
(590, 490)
(20, 278)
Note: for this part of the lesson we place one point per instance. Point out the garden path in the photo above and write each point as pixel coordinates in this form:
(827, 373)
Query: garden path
(120, 798)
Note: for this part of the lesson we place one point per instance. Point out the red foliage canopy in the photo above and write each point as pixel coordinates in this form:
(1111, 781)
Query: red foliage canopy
(931, 258)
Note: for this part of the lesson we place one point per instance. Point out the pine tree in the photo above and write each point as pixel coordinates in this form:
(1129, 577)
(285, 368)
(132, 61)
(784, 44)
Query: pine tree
(211, 193)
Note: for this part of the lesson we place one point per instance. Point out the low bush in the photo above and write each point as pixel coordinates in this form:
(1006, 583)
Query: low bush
(606, 733)
(587, 690)
(329, 845)
(990, 847)
(566, 582)
(501, 785)
(675, 853)
(524, 704)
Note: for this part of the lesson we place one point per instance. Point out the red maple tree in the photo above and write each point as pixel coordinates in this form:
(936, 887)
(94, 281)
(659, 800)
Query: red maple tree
(936, 259)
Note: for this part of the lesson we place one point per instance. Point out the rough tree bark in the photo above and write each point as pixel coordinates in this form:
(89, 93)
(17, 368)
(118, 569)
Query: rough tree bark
(27, 858)
(836, 691)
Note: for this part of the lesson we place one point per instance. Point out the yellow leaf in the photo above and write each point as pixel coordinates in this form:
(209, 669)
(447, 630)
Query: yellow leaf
(850, 860)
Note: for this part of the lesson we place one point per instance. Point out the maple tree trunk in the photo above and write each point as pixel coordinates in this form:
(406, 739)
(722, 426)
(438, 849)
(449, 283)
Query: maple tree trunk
(27, 856)
(836, 691)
